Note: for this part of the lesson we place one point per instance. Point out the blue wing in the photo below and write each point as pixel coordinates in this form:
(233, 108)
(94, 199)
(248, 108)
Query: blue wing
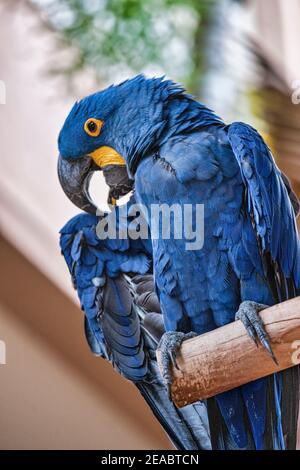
(109, 313)
(123, 322)
(248, 243)
(270, 208)
(269, 216)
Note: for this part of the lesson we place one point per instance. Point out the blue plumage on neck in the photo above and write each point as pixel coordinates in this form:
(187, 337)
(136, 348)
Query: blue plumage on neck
(171, 111)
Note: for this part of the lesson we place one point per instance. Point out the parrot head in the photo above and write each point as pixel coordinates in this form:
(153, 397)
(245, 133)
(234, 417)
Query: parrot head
(114, 129)
(109, 131)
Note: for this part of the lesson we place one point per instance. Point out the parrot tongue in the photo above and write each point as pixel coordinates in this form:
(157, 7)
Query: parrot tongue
(116, 177)
(74, 177)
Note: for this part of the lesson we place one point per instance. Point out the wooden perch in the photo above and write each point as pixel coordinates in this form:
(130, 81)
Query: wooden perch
(227, 358)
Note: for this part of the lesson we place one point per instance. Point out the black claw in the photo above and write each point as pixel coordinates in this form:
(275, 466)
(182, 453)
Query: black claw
(250, 329)
(268, 348)
(172, 356)
(251, 332)
(175, 363)
(248, 314)
(169, 345)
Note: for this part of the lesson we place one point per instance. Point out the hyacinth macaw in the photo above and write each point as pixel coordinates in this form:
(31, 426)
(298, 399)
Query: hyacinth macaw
(178, 151)
(123, 322)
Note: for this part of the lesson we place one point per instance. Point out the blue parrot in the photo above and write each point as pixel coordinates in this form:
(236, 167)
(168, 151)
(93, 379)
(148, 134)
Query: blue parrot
(177, 151)
(123, 322)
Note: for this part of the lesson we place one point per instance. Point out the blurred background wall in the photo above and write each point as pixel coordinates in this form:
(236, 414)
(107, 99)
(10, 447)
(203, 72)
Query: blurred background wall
(240, 57)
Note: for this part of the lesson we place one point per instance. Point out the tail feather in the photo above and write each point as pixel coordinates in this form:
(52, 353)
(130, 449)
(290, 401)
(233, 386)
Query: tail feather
(188, 427)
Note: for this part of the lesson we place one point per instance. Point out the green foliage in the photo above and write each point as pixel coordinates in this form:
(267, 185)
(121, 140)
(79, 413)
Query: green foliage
(121, 37)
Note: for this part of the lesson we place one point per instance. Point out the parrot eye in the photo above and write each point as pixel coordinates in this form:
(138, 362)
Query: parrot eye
(93, 127)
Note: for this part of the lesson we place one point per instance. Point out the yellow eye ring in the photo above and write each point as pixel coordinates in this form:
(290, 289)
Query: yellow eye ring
(93, 126)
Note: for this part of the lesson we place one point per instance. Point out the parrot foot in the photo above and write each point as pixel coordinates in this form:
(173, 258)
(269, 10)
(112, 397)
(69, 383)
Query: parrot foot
(248, 314)
(168, 346)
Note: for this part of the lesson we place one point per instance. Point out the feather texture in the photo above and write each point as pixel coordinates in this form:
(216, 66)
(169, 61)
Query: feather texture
(179, 152)
(123, 323)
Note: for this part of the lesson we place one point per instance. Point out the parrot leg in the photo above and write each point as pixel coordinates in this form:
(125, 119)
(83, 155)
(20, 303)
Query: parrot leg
(248, 314)
(168, 346)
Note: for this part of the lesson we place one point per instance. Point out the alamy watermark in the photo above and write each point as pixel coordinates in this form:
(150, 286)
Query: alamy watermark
(159, 221)
(2, 92)
(2, 352)
(296, 353)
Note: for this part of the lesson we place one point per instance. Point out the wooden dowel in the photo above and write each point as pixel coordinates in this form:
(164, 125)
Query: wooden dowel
(227, 358)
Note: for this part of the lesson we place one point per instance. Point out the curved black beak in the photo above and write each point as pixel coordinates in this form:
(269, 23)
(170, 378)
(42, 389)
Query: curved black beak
(118, 181)
(74, 177)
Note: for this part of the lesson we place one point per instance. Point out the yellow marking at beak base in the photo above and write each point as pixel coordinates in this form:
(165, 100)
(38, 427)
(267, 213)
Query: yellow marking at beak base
(104, 156)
